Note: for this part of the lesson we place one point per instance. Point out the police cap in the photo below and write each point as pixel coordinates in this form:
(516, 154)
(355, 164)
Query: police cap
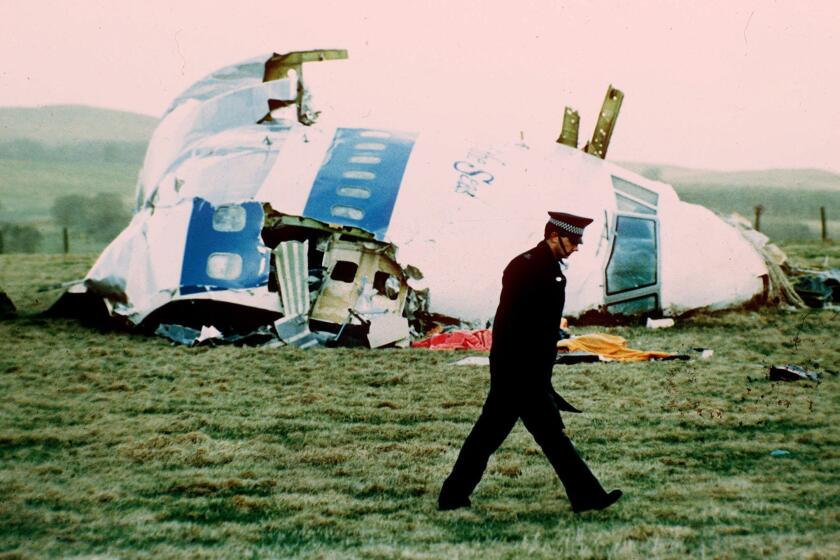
(569, 225)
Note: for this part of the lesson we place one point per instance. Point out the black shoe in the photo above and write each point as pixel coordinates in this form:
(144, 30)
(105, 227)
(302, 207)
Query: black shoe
(603, 503)
(446, 505)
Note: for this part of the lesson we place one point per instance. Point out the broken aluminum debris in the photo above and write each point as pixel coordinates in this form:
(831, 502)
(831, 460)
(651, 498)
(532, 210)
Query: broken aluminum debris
(790, 372)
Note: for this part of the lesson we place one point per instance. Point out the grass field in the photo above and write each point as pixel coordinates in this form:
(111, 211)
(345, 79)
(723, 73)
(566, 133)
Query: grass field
(49, 152)
(29, 188)
(788, 214)
(122, 446)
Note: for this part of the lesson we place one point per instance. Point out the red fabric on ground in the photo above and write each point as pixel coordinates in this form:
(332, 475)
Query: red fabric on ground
(458, 340)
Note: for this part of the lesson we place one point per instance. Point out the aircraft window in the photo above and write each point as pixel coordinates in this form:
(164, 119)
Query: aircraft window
(633, 261)
(633, 306)
(372, 146)
(354, 192)
(635, 191)
(628, 205)
(224, 266)
(347, 212)
(366, 175)
(229, 218)
(344, 271)
(386, 284)
(373, 160)
(375, 134)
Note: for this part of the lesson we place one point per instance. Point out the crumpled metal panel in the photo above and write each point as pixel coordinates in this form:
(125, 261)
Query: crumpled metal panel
(292, 274)
(182, 130)
(223, 80)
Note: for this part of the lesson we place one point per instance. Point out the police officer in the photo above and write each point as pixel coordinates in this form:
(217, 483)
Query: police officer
(525, 334)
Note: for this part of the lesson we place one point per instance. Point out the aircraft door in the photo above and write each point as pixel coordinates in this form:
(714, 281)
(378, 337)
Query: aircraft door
(632, 282)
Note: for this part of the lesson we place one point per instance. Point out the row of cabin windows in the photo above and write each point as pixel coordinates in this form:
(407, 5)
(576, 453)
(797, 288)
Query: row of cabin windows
(359, 191)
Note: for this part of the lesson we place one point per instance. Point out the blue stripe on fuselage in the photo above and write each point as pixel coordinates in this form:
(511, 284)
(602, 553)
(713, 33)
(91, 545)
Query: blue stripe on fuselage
(358, 183)
(203, 240)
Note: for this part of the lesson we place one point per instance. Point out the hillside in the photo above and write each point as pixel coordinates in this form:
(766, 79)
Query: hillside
(68, 124)
(28, 188)
(790, 198)
(793, 179)
(57, 151)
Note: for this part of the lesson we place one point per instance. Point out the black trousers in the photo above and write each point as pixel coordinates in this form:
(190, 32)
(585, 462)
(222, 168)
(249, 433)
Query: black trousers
(538, 411)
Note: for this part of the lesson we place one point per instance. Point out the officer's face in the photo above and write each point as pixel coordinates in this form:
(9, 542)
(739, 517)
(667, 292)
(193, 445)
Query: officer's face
(568, 245)
(562, 247)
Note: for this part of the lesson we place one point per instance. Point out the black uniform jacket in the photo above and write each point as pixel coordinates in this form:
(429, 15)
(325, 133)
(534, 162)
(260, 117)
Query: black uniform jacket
(527, 323)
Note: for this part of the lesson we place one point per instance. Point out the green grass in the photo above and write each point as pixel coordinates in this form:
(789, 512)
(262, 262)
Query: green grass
(788, 214)
(29, 188)
(47, 152)
(118, 445)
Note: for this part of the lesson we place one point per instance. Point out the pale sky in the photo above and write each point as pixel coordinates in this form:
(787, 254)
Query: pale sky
(712, 84)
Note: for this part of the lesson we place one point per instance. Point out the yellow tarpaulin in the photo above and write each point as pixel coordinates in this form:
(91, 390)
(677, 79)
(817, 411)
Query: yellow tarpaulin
(608, 347)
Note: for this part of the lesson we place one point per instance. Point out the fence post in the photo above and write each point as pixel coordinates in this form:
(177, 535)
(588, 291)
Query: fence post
(758, 210)
(66, 239)
(824, 223)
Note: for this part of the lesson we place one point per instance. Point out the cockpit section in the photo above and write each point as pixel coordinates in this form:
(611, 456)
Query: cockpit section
(632, 278)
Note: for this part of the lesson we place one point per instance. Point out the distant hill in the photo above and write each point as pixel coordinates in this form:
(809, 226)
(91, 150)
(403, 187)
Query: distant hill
(74, 134)
(67, 124)
(53, 151)
(794, 179)
(790, 198)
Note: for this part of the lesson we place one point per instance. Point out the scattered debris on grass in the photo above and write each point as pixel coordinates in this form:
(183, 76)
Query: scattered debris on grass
(704, 353)
(7, 308)
(178, 334)
(577, 357)
(819, 288)
(611, 347)
(211, 336)
(473, 361)
(790, 372)
(480, 339)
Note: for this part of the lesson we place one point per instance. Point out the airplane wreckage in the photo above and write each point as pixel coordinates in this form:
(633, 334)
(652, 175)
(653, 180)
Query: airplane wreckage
(248, 213)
